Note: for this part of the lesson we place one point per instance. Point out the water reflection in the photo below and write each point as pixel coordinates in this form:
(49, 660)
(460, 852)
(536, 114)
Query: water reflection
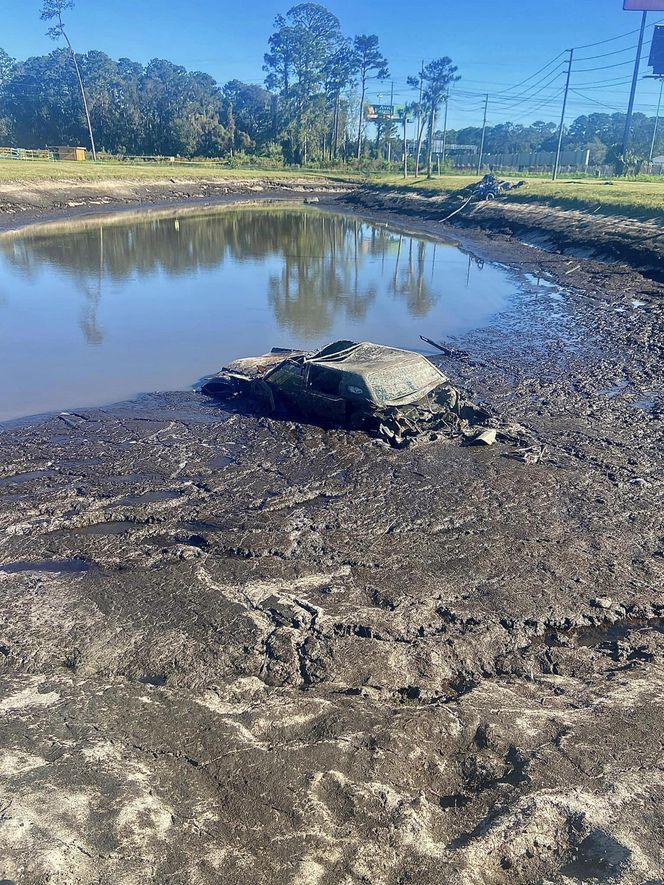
(321, 258)
(159, 301)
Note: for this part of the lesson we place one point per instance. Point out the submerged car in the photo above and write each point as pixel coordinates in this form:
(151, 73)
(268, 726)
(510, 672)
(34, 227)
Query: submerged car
(391, 393)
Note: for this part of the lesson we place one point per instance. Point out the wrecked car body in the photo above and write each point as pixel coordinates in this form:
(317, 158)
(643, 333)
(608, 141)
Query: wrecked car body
(397, 395)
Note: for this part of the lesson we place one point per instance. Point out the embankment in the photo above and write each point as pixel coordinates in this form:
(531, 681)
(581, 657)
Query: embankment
(585, 233)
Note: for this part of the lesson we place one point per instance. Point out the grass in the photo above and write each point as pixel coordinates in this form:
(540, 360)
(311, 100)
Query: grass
(637, 198)
(35, 171)
(640, 198)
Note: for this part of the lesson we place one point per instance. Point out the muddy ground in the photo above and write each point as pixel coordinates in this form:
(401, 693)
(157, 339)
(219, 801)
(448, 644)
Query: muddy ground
(238, 649)
(24, 203)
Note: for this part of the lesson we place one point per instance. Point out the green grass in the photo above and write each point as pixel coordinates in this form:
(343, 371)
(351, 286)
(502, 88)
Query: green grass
(634, 197)
(641, 198)
(34, 171)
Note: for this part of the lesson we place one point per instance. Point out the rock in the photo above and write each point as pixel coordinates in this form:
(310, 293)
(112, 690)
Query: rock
(602, 602)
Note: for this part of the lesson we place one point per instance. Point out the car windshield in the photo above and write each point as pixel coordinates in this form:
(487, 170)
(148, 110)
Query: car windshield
(398, 382)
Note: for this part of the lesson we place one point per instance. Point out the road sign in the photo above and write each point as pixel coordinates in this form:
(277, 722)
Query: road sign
(644, 5)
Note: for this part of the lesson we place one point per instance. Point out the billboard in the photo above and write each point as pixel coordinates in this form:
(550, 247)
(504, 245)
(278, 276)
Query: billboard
(656, 60)
(645, 5)
(379, 112)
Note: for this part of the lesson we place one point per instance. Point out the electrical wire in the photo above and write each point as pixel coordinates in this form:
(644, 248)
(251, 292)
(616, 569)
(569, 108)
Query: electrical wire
(606, 54)
(532, 76)
(619, 37)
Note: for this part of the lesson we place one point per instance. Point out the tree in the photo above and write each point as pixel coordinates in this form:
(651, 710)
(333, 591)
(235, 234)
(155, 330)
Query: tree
(252, 112)
(7, 67)
(371, 65)
(340, 71)
(159, 109)
(52, 10)
(434, 80)
(7, 64)
(301, 52)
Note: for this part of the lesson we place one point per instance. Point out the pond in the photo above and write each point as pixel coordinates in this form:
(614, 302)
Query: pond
(98, 312)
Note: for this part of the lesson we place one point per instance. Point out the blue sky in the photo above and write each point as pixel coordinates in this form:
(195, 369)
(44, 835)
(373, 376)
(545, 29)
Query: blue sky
(495, 43)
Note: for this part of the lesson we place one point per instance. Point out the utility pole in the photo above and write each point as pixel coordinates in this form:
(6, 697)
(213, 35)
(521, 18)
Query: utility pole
(632, 94)
(418, 130)
(389, 131)
(556, 165)
(447, 98)
(659, 108)
(481, 156)
(405, 143)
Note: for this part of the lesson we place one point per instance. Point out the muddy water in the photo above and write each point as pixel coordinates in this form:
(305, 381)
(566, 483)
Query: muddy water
(95, 314)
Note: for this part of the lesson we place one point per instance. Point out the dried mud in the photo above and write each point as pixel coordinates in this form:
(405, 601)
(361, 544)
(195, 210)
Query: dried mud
(584, 233)
(243, 650)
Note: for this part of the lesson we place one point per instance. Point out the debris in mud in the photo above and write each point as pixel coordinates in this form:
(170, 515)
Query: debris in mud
(397, 395)
(491, 187)
(485, 438)
(528, 454)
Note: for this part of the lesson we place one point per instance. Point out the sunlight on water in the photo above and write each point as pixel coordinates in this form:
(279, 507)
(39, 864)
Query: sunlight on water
(95, 314)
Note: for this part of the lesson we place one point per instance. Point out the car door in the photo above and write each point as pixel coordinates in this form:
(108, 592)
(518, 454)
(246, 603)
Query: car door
(321, 394)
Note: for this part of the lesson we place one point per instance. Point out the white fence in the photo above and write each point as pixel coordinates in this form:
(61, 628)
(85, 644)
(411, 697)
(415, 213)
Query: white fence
(10, 153)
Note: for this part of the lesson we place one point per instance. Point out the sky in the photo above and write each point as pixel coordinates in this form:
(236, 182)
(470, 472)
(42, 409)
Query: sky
(496, 44)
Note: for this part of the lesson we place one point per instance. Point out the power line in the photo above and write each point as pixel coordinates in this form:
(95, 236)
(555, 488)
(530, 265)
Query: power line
(619, 37)
(620, 64)
(607, 54)
(594, 101)
(516, 99)
(532, 76)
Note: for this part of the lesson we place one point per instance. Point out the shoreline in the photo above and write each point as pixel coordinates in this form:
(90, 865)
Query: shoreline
(607, 238)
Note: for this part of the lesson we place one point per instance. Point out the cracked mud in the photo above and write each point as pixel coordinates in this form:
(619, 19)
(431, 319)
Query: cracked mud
(238, 649)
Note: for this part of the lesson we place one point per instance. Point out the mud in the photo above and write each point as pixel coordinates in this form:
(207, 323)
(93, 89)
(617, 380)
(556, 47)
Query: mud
(239, 649)
(583, 233)
(36, 202)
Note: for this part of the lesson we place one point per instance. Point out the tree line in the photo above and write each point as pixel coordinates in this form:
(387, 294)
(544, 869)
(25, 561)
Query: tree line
(599, 133)
(310, 109)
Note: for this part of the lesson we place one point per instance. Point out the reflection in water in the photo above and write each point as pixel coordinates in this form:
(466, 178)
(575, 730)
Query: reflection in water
(163, 300)
(88, 321)
(409, 282)
(321, 255)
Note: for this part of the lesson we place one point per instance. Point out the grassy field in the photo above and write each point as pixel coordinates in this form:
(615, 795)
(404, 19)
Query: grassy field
(639, 198)
(33, 171)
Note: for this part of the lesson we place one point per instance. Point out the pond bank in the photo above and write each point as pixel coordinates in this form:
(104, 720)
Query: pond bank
(635, 239)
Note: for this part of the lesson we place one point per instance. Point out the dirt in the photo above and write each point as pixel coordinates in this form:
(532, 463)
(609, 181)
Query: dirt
(637, 242)
(244, 650)
(28, 202)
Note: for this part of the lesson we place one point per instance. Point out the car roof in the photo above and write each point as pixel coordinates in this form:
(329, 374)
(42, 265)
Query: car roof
(365, 358)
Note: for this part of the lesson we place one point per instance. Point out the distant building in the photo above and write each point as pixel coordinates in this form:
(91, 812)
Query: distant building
(78, 154)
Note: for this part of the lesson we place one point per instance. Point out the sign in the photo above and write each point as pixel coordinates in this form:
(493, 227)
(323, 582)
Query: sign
(644, 5)
(656, 60)
(379, 112)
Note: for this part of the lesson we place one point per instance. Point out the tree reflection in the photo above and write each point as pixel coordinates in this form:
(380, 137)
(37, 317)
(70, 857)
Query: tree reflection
(88, 322)
(320, 276)
(323, 257)
(409, 279)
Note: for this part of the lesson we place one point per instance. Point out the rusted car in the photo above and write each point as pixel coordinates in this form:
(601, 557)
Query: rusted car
(395, 394)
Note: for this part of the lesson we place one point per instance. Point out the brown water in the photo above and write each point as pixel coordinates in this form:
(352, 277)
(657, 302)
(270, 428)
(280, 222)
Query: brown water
(98, 313)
